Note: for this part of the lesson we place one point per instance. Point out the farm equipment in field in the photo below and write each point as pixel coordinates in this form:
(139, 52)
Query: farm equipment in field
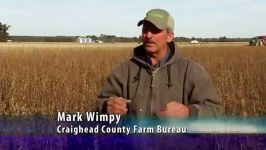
(258, 41)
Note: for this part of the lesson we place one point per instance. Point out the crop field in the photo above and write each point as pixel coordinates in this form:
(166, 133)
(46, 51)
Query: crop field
(39, 78)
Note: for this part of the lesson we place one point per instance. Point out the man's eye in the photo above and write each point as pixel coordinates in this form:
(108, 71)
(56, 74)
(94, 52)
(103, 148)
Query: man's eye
(152, 30)
(155, 30)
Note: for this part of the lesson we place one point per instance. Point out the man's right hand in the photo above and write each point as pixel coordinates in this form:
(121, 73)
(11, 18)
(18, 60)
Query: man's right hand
(117, 105)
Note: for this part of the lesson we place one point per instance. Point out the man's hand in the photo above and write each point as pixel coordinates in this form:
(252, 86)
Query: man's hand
(174, 109)
(117, 105)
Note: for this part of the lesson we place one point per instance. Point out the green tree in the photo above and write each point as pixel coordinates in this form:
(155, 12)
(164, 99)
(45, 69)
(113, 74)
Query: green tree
(107, 38)
(222, 39)
(3, 32)
(93, 37)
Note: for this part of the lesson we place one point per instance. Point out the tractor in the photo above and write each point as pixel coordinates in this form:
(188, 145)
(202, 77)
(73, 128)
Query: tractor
(258, 41)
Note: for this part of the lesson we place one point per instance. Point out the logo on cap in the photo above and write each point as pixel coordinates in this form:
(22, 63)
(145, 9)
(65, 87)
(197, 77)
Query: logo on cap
(160, 18)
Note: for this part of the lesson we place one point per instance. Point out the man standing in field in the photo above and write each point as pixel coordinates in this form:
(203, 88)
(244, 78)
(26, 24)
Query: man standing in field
(158, 80)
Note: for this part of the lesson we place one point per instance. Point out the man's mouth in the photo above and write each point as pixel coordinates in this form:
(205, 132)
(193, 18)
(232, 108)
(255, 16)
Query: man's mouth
(149, 43)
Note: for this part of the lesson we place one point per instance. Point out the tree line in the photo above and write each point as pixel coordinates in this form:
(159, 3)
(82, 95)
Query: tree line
(113, 39)
(4, 37)
(220, 39)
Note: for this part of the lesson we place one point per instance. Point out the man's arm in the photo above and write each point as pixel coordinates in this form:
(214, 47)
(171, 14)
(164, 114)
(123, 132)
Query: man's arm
(110, 98)
(203, 99)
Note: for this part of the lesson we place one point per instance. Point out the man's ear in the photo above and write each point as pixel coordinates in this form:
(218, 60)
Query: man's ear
(170, 37)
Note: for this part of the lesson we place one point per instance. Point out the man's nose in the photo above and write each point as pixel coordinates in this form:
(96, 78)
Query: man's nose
(148, 34)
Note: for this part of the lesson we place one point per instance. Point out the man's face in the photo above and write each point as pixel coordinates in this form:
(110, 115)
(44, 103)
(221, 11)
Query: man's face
(155, 39)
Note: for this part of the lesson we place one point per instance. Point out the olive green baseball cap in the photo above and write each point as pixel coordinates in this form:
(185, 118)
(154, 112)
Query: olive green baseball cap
(160, 18)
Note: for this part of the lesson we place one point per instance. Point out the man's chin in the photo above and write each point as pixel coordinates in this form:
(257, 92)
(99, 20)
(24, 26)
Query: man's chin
(150, 49)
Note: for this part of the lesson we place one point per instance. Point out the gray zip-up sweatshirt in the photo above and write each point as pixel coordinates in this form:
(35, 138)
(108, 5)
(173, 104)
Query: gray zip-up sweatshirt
(179, 79)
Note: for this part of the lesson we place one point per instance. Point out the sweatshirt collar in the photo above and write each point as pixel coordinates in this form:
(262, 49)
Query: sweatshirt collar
(139, 55)
(161, 62)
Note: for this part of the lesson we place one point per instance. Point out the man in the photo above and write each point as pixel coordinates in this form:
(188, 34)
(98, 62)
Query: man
(157, 80)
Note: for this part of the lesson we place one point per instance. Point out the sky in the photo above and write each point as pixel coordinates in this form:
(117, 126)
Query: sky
(193, 18)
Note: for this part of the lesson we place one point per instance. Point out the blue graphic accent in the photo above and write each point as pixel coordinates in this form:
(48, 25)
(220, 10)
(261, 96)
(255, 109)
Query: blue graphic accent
(40, 132)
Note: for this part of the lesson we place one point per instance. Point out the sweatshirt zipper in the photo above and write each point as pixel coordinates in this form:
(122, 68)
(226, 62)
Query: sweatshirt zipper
(152, 90)
(152, 82)
(152, 86)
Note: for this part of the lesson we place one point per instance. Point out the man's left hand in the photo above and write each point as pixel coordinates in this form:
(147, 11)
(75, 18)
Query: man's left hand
(174, 110)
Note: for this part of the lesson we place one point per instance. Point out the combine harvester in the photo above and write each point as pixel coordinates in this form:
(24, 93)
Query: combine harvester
(258, 41)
